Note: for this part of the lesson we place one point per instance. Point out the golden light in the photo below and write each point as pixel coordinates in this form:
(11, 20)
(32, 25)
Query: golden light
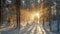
(37, 14)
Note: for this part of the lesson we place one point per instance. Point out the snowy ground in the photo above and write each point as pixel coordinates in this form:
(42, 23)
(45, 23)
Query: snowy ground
(33, 28)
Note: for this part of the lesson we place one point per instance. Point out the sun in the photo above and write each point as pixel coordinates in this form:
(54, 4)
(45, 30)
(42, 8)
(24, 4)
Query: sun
(37, 14)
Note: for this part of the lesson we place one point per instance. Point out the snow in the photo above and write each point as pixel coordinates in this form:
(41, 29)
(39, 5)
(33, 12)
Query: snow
(33, 28)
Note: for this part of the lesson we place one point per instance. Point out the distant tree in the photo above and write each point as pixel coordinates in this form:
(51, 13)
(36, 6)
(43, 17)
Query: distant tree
(1, 11)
